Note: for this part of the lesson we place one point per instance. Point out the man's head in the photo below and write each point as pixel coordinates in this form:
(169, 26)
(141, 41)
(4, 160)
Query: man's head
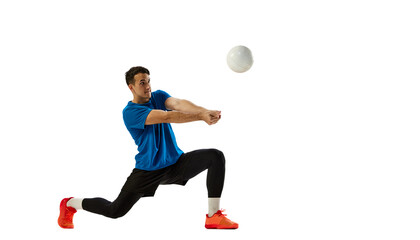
(138, 81)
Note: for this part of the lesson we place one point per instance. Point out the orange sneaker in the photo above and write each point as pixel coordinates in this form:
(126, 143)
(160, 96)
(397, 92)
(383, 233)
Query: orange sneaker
(65, 220)
(220, 221)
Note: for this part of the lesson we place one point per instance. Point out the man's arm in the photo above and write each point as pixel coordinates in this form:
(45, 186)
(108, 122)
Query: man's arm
(159, 116)
(183, 105)
(183, 111)
(186, 106)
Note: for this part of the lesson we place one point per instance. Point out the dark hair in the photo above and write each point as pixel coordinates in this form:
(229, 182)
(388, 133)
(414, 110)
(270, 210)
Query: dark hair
(129, 75)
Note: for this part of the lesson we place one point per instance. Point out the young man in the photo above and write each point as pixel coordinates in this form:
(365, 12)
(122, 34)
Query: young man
(159, 161)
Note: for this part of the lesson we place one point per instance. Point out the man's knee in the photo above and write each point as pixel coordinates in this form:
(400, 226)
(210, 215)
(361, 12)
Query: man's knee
(116, 213)
(122, 205)
(219, 157)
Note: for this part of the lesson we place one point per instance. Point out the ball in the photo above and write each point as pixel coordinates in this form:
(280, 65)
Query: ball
(239, 59)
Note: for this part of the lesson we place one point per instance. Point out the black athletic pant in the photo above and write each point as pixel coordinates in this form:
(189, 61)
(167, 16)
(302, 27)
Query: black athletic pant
(188, 166)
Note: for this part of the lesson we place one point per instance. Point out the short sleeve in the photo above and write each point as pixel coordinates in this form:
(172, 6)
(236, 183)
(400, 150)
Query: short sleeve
(160, 98)
(136, 117)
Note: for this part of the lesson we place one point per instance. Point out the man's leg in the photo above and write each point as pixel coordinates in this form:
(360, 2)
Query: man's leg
(213, 160)
(118, 208)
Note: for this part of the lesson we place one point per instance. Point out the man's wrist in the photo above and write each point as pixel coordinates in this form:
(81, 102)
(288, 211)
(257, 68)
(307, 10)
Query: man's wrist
(201, 115)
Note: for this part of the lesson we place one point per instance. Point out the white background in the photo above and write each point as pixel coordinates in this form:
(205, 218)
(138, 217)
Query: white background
(321, 136)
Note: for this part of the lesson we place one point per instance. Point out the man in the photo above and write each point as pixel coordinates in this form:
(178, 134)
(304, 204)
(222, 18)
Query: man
(159, 161)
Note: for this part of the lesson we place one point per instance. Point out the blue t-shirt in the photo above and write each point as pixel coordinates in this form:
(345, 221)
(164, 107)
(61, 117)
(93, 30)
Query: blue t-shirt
(156, 143)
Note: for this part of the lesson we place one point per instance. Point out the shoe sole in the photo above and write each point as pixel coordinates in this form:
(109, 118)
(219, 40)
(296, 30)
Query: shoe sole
(214, 226)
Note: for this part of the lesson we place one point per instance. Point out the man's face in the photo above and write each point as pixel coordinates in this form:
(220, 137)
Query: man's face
(141, 88)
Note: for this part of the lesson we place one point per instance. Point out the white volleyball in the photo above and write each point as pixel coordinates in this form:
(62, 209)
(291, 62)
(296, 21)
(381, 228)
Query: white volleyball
(239, 59)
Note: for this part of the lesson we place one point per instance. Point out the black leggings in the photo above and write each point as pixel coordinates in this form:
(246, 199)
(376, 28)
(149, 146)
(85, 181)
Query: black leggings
(188, 166)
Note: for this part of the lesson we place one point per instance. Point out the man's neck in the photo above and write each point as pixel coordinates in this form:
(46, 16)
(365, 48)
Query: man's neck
(140, 100)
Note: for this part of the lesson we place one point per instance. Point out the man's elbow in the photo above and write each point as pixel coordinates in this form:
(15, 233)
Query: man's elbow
(156, 117)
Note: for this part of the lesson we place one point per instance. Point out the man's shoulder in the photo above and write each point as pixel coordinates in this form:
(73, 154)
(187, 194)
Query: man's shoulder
(159, 97)
(132, 107)
(159, 92)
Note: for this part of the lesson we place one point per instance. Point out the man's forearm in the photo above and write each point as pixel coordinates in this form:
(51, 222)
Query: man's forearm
(182, 117)
(159, 116)
(189, 107)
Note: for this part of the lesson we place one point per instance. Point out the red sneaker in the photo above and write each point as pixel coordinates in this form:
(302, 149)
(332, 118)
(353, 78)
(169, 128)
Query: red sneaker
(65, 220)
(220, 221)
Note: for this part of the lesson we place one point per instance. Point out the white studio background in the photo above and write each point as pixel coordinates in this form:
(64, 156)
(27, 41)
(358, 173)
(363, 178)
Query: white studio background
(321, 136)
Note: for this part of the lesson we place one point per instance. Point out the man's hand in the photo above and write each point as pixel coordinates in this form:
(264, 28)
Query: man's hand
(211, 117)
